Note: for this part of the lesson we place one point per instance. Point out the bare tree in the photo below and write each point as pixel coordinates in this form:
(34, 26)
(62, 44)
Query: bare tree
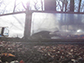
(66, 3)
(71, 5)
(62, 4)
(83, 7)
(24, 6)
(14, 6)
(35, 5)
(42, 5)
(79, 5)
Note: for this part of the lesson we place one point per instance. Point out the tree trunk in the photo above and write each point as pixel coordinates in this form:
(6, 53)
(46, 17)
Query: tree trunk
(66, 2)
(50, 5)
(62, 6)
(79, 5)
(71, 5)
(42, 5)
(27, 30)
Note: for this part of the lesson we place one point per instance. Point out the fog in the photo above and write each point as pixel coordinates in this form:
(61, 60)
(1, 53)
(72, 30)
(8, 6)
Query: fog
(57, 21)
(43, 22)
(14, 24)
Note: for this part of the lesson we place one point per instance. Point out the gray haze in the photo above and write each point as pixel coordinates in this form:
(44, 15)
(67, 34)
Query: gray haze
(43, 22)
(57, 21)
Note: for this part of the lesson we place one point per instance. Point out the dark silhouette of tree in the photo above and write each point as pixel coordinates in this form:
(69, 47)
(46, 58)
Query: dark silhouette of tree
(83, 6)
(66, 2)
(71, 5)
(79, 5)
(63, 2)
(35, 5)
(50, 5)
(42, 5)
(63, 5)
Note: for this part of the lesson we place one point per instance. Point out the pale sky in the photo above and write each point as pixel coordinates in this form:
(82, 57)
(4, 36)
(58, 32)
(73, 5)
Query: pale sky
(8, 5)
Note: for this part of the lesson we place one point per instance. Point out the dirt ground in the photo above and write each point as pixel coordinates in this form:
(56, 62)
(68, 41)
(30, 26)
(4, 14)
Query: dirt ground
(57, 53)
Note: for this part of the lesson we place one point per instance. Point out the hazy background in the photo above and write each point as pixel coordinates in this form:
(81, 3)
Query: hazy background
(42, 22)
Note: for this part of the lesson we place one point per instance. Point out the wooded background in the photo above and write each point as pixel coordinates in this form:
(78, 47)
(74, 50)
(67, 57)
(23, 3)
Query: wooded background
(10, 6)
